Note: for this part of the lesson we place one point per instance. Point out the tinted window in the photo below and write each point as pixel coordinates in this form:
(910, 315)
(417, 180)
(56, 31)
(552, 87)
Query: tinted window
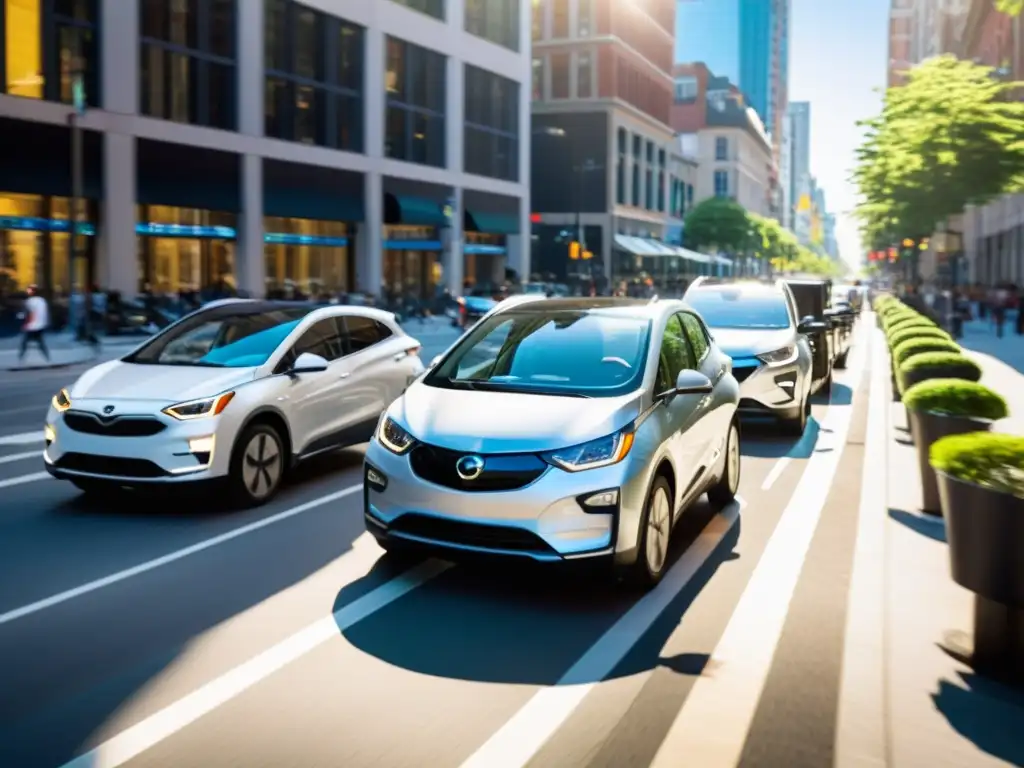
(676, 354)
(695, 333)
(323, 338)
(738, 308)
(594, 354)
(364, 332)
(219, 338)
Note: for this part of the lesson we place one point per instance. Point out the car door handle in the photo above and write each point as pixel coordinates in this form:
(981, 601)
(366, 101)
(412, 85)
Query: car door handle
(399, 357)
(344, 375)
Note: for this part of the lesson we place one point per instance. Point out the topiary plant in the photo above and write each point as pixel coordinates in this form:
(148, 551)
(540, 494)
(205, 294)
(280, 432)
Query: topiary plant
(988, 459)
(918, 345)
(901, 335)
(946, 365)
(956, 397)
(913, 321)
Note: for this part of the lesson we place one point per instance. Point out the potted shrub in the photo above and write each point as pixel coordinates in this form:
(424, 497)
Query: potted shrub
(938, 408)
(909, 322)
(981, 483)
(900, 335)
(937, 365)
(917, 345)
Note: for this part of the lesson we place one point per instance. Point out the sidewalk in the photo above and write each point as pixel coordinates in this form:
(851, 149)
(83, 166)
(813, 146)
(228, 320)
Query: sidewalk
(1002, 365)
(64, 351)
(935, 711)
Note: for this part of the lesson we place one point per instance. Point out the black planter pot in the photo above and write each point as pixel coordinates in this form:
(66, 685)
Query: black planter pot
(985, 530)
(926, 428)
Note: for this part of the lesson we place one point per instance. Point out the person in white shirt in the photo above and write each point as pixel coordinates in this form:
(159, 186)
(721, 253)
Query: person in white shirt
(37, 320)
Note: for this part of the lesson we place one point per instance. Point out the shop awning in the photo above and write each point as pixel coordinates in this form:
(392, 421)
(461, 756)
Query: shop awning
(414, 211)
(686, 253)
(491, 223)
(640, 246)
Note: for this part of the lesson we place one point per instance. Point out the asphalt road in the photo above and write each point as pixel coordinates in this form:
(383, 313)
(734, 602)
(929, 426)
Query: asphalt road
(182, 635)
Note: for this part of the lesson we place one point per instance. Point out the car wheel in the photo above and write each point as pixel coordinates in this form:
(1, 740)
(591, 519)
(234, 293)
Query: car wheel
(722, 493)
(655, 535)
(841, 360)
(796, 426)
(826, 388)
(96, 488)
(257, 466)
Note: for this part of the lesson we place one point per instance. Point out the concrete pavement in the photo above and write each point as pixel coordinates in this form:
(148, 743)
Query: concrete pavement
(177, 634)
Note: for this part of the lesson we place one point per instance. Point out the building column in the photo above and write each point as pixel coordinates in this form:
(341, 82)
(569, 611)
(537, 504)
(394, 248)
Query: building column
(452, 241)
(517, 247)
(250, 262)
(118, 267)
(119, 56)
(369, 237)
(250, 67)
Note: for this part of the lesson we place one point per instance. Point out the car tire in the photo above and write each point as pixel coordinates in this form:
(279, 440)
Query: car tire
(652, 554)
(796, 426)
(257, 466)
(722, 493)
(840, 362)
(96, 489)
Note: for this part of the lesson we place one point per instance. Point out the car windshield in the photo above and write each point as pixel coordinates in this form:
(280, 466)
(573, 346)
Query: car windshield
(221, 338)
(566, 353)
(739, 308)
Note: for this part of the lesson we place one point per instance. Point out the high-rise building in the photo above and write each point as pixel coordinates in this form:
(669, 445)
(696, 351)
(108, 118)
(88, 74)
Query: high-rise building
(799, 120)
(267, 145)
(606, 166)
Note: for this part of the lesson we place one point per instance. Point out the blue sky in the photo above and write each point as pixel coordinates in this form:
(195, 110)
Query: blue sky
(838, 54)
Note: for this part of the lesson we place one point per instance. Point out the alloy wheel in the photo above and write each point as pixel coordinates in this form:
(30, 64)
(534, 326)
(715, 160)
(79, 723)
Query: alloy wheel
(659, 523)
(262, 464)
(734, 459)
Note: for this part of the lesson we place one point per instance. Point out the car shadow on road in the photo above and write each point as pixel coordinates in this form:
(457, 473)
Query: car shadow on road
(764, 440)
(986, 713)
(67, 670)
(525, 626)
(931, 526)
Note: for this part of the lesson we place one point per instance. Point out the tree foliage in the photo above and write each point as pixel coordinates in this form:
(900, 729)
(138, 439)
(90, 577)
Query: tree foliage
(1010, 7)
(949, 137)
(717, 222)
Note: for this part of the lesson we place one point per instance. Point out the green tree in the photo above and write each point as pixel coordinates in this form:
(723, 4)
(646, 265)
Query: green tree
(947, 138)
(1011, 7)
(717, 223)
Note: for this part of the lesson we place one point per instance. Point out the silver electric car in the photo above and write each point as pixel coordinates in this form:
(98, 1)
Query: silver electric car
(559, 429)
(756, 324)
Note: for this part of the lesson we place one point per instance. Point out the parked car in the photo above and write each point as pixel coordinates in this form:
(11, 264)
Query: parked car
(757, 324)
(812, 296)
(470, 309)
(236, 393)
(559, 430)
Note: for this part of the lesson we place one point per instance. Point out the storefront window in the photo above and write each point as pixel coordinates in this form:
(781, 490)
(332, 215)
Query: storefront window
(319, 268)
(24, 50)
(31, 252)
(174, 262)
(483, 260)
(412, 265)
(61, 249)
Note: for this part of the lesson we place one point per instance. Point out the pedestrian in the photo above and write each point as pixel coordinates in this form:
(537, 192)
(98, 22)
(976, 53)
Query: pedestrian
(999, 302)
(37, 320)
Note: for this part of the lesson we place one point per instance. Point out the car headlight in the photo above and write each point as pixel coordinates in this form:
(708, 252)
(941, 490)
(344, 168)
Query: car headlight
(393, 437)
(61, 401)
(782, 356)
(602, 452)
(200, 409)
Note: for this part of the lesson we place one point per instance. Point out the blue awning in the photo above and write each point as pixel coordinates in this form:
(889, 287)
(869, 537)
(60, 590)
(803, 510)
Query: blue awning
(700, 258)
(412, 245)
(491, 223)
(413, 211)
(483, 250)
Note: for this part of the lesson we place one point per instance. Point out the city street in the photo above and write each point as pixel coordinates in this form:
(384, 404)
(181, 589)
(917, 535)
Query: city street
(174, 633)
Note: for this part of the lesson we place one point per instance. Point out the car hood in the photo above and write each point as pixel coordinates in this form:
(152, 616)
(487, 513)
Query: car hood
(115, 380)
(500, 422)
(745, 342)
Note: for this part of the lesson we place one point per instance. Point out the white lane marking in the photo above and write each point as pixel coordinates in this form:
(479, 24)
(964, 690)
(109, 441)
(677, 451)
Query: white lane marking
(135, 740)
(150, 565)
(776, 473)
(712, 725)
(21, 456)
(860, 722)
(22, 438)
(516, 743)
(21, 480)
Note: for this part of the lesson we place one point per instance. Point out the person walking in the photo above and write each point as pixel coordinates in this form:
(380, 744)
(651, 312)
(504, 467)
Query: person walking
(37, 320)
(1000, 300)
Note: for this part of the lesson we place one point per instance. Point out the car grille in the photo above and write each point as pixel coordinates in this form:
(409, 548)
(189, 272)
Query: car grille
(119, 426)
(742, 374)
(502, 472)
(469, 534)
(110, 466)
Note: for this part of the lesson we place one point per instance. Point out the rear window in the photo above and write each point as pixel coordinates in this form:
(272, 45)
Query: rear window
(727, 307)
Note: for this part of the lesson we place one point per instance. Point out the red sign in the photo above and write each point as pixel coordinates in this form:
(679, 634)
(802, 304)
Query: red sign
(535, 218)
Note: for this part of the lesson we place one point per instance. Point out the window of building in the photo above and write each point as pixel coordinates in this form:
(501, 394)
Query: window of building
(620, 167)
(45, 44)
(188, 61)
(584, 75)
(635, 196)
(689, 196)
(314, 77)
(721, 183)
(415, 92)
(623, 140)
(433, 8)
(685, 89)
(560, 19)
(308, 271)
(494, 20)
(649, 189)
(584, 18)
(491, 109)
(537, 80)
(637, 144)
(536, 20)
(721, 148)
(560, 76)
(661, 191)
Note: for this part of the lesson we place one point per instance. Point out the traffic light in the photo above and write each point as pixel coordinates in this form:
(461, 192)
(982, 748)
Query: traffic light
(587, 255)
(574, 250)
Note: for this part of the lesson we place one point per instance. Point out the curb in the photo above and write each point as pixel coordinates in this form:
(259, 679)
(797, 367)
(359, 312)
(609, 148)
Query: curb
(52, 366)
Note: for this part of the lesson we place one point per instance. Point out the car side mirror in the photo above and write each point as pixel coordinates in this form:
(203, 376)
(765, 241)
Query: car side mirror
(690, 382)
(810, 325)
(307, 362)
(435, 361)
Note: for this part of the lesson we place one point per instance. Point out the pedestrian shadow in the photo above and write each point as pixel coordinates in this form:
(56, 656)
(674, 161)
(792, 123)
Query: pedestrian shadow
(522, 625)
(933, 527)
(986, 713)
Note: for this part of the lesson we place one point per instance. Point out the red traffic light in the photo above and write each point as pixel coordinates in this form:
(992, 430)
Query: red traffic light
(535, 218)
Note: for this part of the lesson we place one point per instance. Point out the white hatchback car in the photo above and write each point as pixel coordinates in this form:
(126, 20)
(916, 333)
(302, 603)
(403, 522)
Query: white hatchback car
(237, 392)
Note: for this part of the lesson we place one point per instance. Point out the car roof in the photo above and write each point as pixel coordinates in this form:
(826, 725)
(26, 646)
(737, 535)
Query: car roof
(612, 305)
(229, 307)
(743, 284)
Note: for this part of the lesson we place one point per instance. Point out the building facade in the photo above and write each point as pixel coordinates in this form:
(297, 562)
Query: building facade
(602, 147)
(798, 118)
(920, 29)
(267, 145)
